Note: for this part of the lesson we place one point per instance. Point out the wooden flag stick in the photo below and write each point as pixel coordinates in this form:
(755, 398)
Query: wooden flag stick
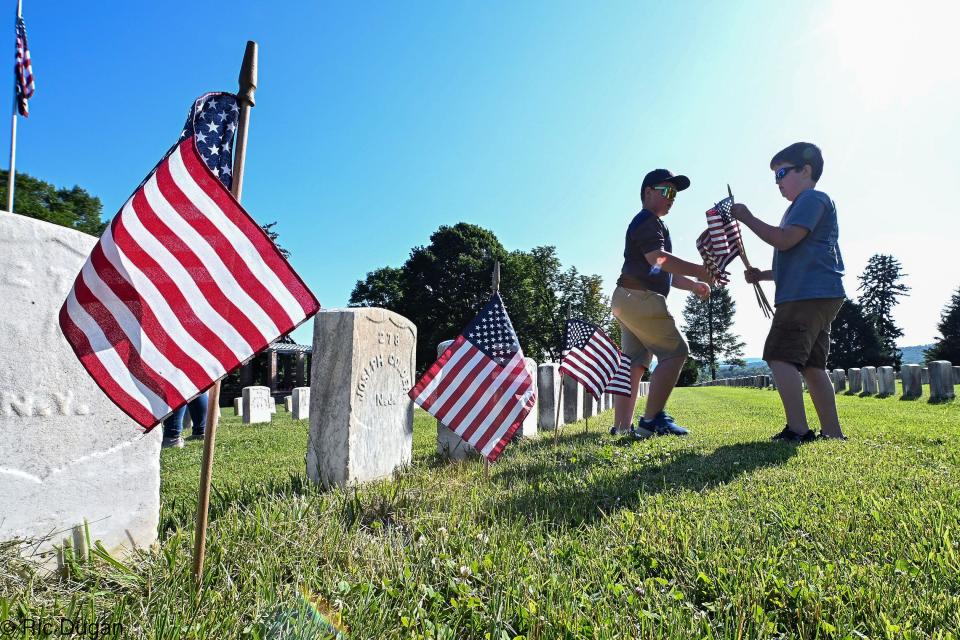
(757, 289)
(248, 85)
(556, 425)
(494, 289)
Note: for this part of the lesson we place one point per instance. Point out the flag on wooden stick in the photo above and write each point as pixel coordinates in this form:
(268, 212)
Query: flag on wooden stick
(183, 286)
(591, 358)
(620, 382)
(479, 388)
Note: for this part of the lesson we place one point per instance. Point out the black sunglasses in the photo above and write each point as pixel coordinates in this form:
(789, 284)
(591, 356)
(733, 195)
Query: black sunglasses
(782, 171)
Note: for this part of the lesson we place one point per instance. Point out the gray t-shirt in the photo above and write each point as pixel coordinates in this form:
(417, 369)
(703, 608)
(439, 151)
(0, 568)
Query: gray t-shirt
(813, 268)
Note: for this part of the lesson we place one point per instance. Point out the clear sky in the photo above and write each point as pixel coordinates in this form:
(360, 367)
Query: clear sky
(377, 122)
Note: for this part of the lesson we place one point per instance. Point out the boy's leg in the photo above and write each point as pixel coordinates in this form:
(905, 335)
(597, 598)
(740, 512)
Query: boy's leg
(624, 406)
(824, 401)
(173, 425)
(662, 381)
(791, 394)
(198, 414)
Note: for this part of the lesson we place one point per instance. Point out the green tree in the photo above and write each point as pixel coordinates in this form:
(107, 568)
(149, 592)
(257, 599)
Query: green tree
(947, 346)
(273, 235)
(74, 207)
(708, 325)
(854, 341)
(882, 289)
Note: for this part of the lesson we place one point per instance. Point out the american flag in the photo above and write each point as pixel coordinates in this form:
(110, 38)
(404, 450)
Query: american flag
(721, 242)
(620, 382)
(590, 357)
(479, 388)
(23, 70)
(183, 286)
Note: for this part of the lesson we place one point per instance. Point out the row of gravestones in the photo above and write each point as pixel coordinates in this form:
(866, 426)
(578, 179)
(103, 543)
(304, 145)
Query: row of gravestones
(577, 404)
(256, 405)
(760, 382)
(940, 375)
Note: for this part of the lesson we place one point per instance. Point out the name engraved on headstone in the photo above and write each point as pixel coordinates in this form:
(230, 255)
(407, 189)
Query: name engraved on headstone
(40, 405)
(393, 362)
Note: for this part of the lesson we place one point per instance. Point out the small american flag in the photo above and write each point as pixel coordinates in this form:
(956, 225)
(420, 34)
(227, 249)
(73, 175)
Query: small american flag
(23, 70)
(183, 286)
(620, 382)
(479, 387)
(721, 242)
(590, 357)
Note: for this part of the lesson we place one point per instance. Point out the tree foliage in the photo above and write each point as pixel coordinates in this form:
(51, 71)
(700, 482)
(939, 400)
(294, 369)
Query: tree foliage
(442, 285)
(727, 346)
(947, 346)
(882, 289)
(74, 207)
(854, 341)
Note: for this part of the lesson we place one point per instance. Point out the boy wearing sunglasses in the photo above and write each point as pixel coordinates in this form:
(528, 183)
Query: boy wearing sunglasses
(808, 272)
(640, 306)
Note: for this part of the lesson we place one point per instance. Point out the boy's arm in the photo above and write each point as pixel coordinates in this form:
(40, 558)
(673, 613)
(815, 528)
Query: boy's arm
(754, 275)
(677, 266)
(782, 239)
(702, 289)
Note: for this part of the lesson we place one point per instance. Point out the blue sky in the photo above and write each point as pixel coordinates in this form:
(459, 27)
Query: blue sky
(378, 122)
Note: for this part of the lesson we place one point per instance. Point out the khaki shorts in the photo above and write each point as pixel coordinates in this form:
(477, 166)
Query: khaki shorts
(800, 333)
(646, 326)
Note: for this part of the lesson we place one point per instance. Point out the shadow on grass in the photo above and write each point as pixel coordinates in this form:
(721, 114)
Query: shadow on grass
(582, 489)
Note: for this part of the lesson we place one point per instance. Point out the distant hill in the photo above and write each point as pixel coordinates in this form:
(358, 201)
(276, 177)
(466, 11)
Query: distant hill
(914, 354)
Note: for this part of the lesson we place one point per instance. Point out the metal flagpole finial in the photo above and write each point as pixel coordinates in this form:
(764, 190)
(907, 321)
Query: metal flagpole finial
(729, 192)
(495, 280)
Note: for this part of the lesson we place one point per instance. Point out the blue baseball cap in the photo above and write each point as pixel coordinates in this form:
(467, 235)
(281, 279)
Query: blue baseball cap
(658, 176)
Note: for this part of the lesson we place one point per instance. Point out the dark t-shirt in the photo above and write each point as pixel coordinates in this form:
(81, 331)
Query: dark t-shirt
(646, 233)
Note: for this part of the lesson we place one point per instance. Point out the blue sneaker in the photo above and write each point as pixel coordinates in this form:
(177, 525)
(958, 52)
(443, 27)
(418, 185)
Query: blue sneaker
(662, 425)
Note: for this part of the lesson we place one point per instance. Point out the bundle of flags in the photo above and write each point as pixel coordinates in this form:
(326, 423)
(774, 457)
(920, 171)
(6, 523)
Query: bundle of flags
(591, 358)
(23, 70)
(183, 286)
(480, 388)
(721, 242)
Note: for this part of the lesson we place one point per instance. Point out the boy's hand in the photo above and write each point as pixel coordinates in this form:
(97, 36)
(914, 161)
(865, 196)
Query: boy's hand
(753, 276)
(740, 212)
(704, 274)
(702, 289)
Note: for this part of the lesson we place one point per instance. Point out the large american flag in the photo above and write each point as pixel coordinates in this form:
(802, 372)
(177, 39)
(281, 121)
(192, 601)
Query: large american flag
(620, 382)
(721, 242)
(23, 70)
(183, 286)
(590, 357)
(479, 387)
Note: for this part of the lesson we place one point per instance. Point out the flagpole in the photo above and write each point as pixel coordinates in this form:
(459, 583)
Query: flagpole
(248, 85)
(13, 132)
(556, 424)
(757, 289)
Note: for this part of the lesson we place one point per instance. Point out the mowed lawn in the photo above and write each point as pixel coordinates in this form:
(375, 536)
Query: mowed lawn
(721, 534)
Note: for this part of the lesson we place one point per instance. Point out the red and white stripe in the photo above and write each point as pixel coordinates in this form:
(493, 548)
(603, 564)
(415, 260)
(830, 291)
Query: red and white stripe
(23, 70)
(620, 382)
(181, 288)
(594, 365)
(474, 397)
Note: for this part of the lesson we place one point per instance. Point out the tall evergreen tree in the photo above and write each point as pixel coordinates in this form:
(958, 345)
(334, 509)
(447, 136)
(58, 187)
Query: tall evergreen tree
(854, 341)
(74, 207)
(882, 289)
(947, 346)
(708, 325)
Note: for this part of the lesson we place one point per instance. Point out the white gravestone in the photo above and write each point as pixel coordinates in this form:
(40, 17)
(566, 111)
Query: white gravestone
(869, 380)
(941, 380)
(361, 418)
(886, 381)
(856, 380)
(449, 444)
(528, 428)
(256, 405)
(238, 406)
(288, 403)
(572, 400)
(956, 375)
(589, 404)
(840, 380)
(300, 403)
(925, 375)
(67, 453)
(548, 392)
(910, 376)
(273, 405)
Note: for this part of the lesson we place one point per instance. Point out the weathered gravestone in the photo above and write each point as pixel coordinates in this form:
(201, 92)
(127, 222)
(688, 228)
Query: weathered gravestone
(941, 380)
(361, 419)
(449, 444)
(68, 455)
(238, 406)
(856, 384)
(956, 375)
(869, 380)
(256, 405)
(273, 405)
(300, 403)
(288, 403)
(839, 380)
(528, 428)
(910, 375)
(886, 380)
(589, 404)
(548, 393)
(924, 375)
(572, 400)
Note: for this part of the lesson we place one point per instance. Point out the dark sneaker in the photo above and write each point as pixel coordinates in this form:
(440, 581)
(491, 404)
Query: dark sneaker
(661, 426)
(642, 431)
(195, 436)
(172, 443)
(614, 431)
(788, 435)
(823, 436)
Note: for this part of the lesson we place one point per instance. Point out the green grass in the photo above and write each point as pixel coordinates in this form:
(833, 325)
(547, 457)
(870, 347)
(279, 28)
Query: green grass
(722, 534)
